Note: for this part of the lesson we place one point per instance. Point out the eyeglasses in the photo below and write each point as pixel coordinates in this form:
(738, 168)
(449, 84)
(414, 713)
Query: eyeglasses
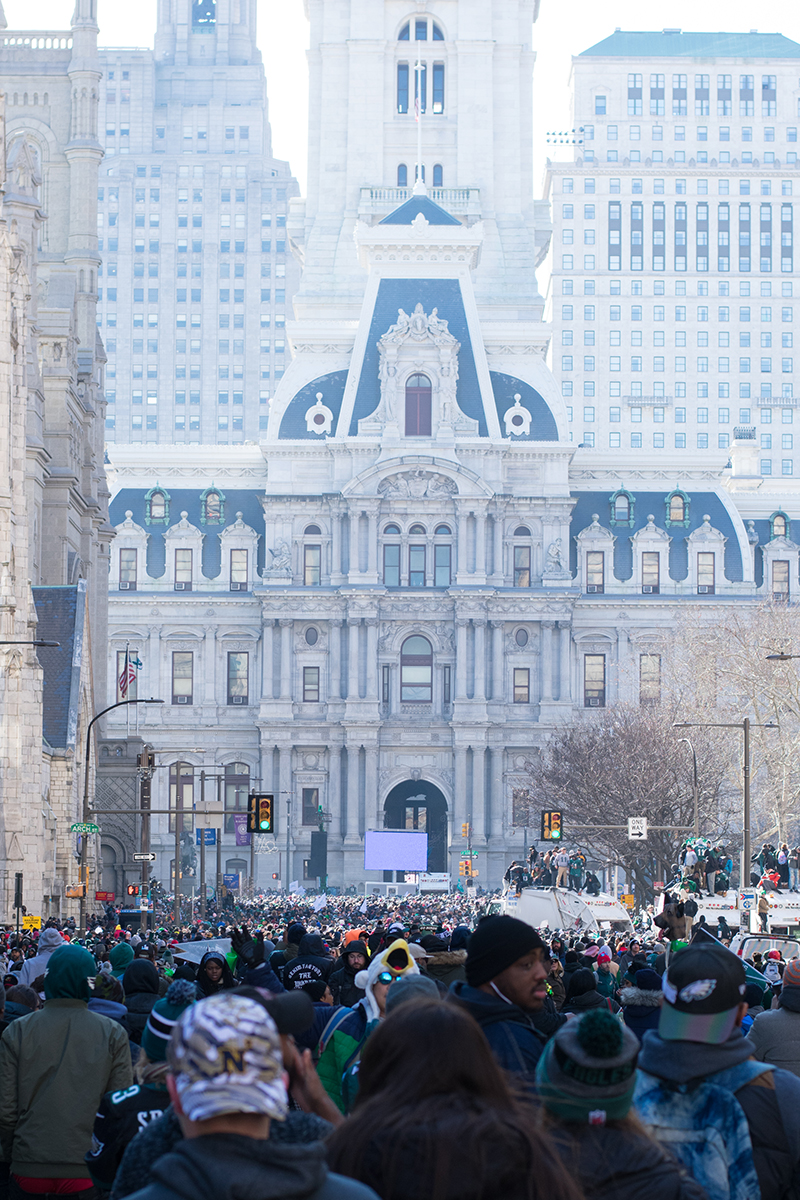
(386, 977)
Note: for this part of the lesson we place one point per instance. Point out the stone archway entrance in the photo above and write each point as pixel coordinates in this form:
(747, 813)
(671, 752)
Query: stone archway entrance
(416, 804)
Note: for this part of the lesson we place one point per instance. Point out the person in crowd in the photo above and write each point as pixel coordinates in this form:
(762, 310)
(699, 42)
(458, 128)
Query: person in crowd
(339, 1058)
(711, 867)
(446, 962)
(775, 1035)
(312, 962)
(592, 884)
(21, 1000)
(436, 1118)
(734, 1122)
(120, 958)
(342, 980)
(754, 995)
(214, 975)
(586, 1079)
(507, 967)
(227, 1086)
(49, 941)
(794, 869)
(555, 984)
(582, 994)
(140, 984)
(783, 865)
(606, 980)
(55, 1065)
(122, 1114)
(641, 1004)
(562, 868)
(287, 950)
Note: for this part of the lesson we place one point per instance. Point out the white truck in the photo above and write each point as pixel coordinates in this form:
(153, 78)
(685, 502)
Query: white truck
(608, 912)
(557, 908)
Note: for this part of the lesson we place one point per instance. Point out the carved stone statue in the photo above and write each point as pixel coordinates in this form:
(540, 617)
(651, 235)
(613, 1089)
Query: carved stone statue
(281, 565)
(555, 558)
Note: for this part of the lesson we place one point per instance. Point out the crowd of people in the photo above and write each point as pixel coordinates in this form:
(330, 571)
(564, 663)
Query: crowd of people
(555, 867)
(401, 1049)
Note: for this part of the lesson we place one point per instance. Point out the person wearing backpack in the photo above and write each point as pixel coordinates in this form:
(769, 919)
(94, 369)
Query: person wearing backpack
(732, 1121)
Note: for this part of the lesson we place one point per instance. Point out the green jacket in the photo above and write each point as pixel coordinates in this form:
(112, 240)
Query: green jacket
(341, 1052)
(55, 1067)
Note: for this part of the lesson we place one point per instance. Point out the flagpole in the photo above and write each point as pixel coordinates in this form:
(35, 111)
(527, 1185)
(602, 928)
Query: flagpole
(127, 685)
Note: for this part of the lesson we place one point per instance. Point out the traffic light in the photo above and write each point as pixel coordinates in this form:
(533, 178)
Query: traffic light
(133, 889)
(465, 829)
(265, 814)
(463, 868)
(259, 812)
(552, 829)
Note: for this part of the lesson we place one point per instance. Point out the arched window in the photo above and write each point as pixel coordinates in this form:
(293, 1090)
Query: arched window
(677, 506)
(522, 531)
(402, 87)
(417, 529)
(237, 789)
(438, 36)
(212, 507)
(391, 557)
(622, 505)
(313, 531)
(416, 671)
(779, 525)
(418, 406)
(156, 507)
(438, 175)
(402, 175)
(403, 35)
(444, 530)
(522, 558)
(394, 530)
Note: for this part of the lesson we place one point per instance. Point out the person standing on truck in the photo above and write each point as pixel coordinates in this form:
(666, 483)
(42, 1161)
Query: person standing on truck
(562, 866)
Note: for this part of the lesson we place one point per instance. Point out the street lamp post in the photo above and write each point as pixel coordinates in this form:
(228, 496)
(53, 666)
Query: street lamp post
(746, 725)
(695, 788)
(85, 837)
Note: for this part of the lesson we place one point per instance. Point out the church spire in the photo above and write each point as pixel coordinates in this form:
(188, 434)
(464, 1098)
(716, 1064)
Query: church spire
(3, 21)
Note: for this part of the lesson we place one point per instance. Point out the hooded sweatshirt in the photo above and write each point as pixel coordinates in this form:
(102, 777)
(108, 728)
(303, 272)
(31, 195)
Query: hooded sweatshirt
(312, 964)
(242, 1168)
(141, 985)
(120, 957)
(49, 941)
(204, 985)
(56, 1064)
(344, 1046)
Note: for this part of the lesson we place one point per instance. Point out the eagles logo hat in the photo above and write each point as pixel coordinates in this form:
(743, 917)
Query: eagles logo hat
(703, 988)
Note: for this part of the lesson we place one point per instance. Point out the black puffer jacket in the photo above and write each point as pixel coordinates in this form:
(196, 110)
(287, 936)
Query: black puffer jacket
(619, 1164)
(311, 965)
(342, 981)
(140, 984)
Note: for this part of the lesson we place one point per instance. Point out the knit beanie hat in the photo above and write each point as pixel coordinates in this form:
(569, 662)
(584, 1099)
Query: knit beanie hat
(791, 976)
(496, 944)
(67, 974)
(395, 958)
(647, 980)
(162, 1018)
(587, 1072)
(411, 987)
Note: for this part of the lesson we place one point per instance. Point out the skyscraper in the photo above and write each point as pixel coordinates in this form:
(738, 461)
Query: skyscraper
(673, 290)
(192, 226)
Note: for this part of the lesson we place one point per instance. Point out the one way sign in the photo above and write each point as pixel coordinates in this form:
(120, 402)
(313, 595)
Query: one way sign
(637, 829)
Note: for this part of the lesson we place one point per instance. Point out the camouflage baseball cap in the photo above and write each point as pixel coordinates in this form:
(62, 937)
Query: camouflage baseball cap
(225, 1056)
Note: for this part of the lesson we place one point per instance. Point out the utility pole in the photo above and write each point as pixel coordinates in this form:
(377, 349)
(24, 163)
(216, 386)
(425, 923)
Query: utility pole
(203, 848)
(146, 764)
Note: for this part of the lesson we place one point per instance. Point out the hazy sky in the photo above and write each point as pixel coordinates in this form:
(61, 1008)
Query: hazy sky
(564, 28)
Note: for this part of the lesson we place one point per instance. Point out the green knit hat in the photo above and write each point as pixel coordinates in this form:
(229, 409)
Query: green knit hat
(163, 1015)
(587, 1072)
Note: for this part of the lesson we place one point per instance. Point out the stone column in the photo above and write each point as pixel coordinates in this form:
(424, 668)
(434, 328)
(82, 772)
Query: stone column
(353, 822)
(480, 543)
(286, 624)
(208, 665)
(498, 545)
(460, 814)
(159, 680)
(355, 564)
(335, 659)
(371, 799)
(353, 626)
(547, 661)
(461, 658)
(334, 799)
(496, 798)
(462, 522)
(372, 659)
(498, 664)
(372, 547)
(478, 793)
(479, 690)
(284, 794)
(267, 658)
(336, 546)
(565, 666)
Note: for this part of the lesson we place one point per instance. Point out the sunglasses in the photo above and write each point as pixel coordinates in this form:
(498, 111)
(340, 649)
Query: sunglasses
(386, 977)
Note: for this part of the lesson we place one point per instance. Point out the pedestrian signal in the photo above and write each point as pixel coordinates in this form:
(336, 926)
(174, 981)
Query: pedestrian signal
(259, 812)
(551, 826)
(133, 889)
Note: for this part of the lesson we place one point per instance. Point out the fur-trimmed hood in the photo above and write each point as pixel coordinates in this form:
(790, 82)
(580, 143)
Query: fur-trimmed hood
(447, 958)
(639, 998)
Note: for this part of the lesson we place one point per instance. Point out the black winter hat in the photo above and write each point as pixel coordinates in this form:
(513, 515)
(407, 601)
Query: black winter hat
(496, 944)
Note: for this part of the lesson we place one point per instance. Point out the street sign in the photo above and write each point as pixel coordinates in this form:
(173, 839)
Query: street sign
(209, 814)
(144, 857)
(637, 829)
(747, 901)
(84, 827)
(209, 837)
(627, 899)
(469, 853)
(29, 922)
(106, 897)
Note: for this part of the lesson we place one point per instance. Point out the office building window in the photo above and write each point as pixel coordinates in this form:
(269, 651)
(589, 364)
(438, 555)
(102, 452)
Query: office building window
(522, 685)
(182, 673)
(127, 570)
(311, 806)
(310, 685)
(651, 569)
(705, 573)
(418, 406)
(416, 670)
(594, 680)
(238, 673)
(649, 678)
(312, 566)
(238, 570)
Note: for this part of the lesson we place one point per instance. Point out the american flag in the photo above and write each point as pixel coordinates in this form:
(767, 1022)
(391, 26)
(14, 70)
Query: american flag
(127, 674)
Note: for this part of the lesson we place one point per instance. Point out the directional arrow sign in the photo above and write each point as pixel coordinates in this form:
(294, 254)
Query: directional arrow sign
(637, 829)
(84, 827)
(144, 858)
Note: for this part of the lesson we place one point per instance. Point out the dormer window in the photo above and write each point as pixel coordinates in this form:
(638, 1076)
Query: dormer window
(156, 507)
(779, 525)
(622, 508)
(212, 507)
(677, 506)
(419, 395)
(402, 175)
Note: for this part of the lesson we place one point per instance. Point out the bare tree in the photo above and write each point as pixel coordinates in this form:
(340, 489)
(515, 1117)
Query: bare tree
(626, 761)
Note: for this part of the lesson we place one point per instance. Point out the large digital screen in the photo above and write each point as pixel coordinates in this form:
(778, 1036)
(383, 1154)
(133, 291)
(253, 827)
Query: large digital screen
(395, 850)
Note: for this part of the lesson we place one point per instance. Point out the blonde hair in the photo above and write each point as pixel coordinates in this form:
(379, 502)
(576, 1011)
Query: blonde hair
(147, 1071)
